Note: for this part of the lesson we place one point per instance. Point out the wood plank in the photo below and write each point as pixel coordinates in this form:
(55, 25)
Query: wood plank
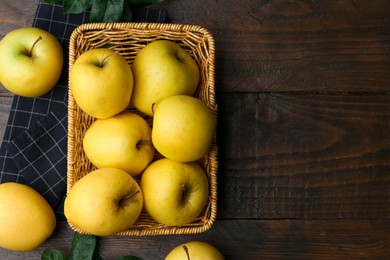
(16, 14)
(304, 156)
(248, 239)
(5, 107)
(319, 46)
(4, 92)
(301, 155)
(276, 46)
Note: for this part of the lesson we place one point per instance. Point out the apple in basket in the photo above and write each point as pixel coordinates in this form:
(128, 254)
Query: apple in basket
(101, 82)
(104, 202)
(162, 69)
(122, 141)
(195, 250)
(31, 61)
(183, 128)
(26, 219)
(175, 193)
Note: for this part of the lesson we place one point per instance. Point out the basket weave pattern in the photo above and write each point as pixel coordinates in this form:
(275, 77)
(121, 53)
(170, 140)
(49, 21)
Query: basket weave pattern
(128, 39)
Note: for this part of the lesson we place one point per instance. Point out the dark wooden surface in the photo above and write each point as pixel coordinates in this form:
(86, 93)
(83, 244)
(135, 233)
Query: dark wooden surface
(303, 89)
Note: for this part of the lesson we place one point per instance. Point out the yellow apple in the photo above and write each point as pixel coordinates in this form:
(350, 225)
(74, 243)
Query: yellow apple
(26, 219)
(195, 250)
(122, 141)
(31, 61)
(101, 81)
(104, 202)
(183, 128)
(162, 69)
(175, 193)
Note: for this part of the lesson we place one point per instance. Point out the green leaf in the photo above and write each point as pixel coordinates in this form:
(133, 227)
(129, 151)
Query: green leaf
(52, 1)
(96, 255)
(114, 11)
(76, 6)
(128, 257)
(53, 254)
(127, 14)
(84, 247)
(104, 10)
(98, 10)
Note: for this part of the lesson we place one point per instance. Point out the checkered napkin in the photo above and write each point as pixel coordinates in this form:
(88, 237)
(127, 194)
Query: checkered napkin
(34, 145)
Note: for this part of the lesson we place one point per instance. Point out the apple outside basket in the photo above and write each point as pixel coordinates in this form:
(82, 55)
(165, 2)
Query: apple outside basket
(128, 39)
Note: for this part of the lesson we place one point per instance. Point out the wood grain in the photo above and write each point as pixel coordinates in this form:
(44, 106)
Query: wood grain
(281, 45)
(248, 239)
(5, 107)
(16, 14)
(303, 89)
(304, 156)
(333, 166)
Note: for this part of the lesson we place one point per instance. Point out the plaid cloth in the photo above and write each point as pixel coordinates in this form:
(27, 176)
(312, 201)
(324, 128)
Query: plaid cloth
(34, 146)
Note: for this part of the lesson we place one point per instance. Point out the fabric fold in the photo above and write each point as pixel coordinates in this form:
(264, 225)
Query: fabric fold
(39, 154)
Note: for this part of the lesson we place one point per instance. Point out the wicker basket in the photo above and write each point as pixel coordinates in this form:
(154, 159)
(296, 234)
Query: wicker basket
(128, 39)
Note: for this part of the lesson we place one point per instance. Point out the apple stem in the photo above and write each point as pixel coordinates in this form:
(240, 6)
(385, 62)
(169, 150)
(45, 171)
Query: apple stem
(185, 194)
(140, 143)
(187, 253)
(32, 47)
(101, 65)
(123, 200)
(179, 58)
(153, 107)
(131, 194)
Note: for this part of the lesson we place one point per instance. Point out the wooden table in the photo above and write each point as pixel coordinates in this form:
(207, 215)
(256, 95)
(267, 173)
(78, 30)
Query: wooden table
(303, 89)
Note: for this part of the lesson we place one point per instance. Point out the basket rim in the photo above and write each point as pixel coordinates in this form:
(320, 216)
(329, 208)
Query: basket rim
(211, 102)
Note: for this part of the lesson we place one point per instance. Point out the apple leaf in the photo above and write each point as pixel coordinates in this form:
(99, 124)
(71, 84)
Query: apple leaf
(104, 10)
(109, 11)
(114, 10)
(85, 247)
(53, 254)
(127, 14)
(98, 10)
(76, 6)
